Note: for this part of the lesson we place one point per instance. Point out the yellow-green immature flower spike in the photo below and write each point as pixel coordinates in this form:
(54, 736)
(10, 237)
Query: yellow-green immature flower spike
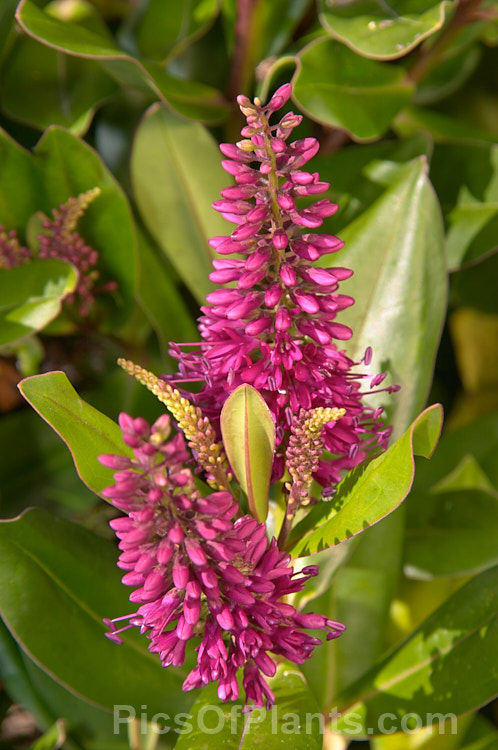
(305, 448)
(197, 428)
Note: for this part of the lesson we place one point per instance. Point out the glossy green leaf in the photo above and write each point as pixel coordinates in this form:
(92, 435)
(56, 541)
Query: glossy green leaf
(448, 665)
(466, 180)
(53, 738)
(383, 30)
(377, 491)
(165, 29)
(176, 175)
(400, 294)
(57, 581)
(7, 11)
(186, 97)
(86, 432)
(20, 186)
(340, 89)
(248, 432)
(161, 298)
(31, 296)
(42, 86)
(214, 725)
(361, 597)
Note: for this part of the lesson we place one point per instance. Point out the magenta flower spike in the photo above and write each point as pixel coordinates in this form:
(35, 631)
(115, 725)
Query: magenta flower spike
(200, 575)
(276, 327)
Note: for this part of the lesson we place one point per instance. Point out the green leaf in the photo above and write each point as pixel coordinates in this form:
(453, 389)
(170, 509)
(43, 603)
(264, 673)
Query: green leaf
(361, 597)
(460, 538)
(381, 487)
(359, 175)
(86, 432)
(248, 432)
(86, 724)
(20, 186)
(447, 666)
(340, 89)
(453, 507)
(401, 292)
(453, 70)
(57, 581)
(53, 738)
(39, 470)
(188, 98)
(166, 29)
(471, 287)
(31, 296)
(176, 174)
(42, 86)
(161, 299)
(478, 439)
(441, 127)
(465, 177)
(383, 30)
(17, 682)
(214, 725)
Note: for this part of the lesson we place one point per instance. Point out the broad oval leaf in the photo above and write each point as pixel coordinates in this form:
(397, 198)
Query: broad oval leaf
(379, 489)
(189, 98)
(176, 174)
(338, 88)
(448, 665)
(57, 581)
(383, 30)
(87, 432)
(31, 296)
(248, 432)
(213, 724)
(400, 294)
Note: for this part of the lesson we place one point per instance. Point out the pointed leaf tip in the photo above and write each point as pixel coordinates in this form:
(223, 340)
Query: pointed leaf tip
(248, 432)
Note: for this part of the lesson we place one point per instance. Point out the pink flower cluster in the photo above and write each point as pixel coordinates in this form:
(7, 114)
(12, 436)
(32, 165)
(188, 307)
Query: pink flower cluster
(60, 241)
(272, 323)
(199, 575)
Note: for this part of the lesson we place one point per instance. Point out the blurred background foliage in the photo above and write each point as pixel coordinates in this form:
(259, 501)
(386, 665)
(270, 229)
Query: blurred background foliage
(131, 97)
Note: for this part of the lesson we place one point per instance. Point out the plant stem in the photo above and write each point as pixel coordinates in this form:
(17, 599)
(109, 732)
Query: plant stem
(466, 12)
